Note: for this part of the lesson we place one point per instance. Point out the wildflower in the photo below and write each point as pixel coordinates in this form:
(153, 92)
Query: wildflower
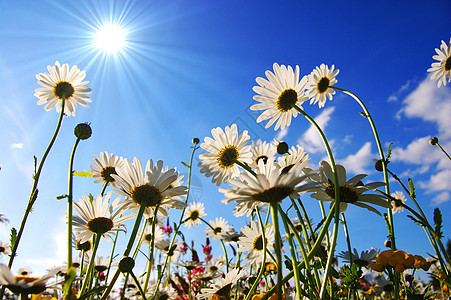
(363, 260)
(147, 234)
(442, 68)
(152, 189)
(23, 284)
(5, 248)
(261, 151)
(96, 216)
(230, 235)
(193, 214)
(173, 252)
(272, 297)
(104, 166)
(253, 242)
(351, 191)
(101, 263)
(224, 150)
(319, 84)
(269, 186)
(397, 201)
(218, 226)
(221, 290)
(297, 158)
(61, 83)
(278, 95)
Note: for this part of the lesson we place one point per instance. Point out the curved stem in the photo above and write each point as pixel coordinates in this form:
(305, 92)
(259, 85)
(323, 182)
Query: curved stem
(382, 156)
(88, 277)
(277, 248)
(443, 150)
(111, 255)
(152, 248)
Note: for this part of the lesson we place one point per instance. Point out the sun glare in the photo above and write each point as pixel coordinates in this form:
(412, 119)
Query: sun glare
(110, 38)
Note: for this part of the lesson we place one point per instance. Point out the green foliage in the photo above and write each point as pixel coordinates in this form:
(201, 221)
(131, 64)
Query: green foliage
(68, 279)
(412, 189)
(351, 276)
(13, 237)
(185, 164)
(438, 221)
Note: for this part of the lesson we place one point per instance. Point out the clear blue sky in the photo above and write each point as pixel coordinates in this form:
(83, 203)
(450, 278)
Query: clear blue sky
(190, 66)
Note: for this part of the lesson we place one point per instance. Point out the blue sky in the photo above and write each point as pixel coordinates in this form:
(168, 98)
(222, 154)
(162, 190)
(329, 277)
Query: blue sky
(190, 66)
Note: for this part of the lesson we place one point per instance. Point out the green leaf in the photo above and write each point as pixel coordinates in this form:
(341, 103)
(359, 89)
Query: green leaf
(412, 189)
(13, 238)
(389, 151)
(82, 174)
(68, 279)
(438, 221)
(91, 198)
(185, 164)
(417, 221)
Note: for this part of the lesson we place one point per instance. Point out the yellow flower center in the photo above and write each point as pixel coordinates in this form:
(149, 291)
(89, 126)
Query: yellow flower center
(448, 64)
(63, 89)
(100, 225)
(346, 194)
(194, 215)
(258, 243)
(286, 100)
(273, 195)
(227, 156)
(262, 157)
(146, 195)
(106, 173)
(323, 84)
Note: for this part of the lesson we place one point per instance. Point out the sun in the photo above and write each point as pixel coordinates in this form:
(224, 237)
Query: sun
(110, 38)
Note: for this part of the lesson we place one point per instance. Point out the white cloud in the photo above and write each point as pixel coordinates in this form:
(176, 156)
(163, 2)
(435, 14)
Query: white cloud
(418, 152)
(430, 104)
(441, 198)
(17, 145)
(281, 134)
(437, 182)
(357, 163)
(311, 139)
(394, 97)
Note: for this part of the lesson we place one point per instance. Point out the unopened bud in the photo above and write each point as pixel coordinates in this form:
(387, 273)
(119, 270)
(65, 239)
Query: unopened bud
(126, 264)
(387, 243)
(433, 141)
(83, 131)
(196, 141)
(282, 148)
(378, 165)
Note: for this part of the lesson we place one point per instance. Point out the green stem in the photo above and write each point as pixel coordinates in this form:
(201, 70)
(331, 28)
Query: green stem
(277, 248)
(443, 150)
(127, 250)
(152, 249)
(141, 291)
(89, 272)
(382, 156)
(111, 256)
(222, 243)
(69, 210)
(348, 239)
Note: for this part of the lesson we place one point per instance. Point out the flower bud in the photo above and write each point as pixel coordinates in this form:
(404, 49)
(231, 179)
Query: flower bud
(282, 148)
(196, 141)
(378, 165)
(433, 141)
(387, 243)
(83, 131)
(126, 264)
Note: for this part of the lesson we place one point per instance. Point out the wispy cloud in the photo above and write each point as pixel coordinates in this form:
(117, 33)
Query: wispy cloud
(311, 140)
(394, 97)
(17, 145)
(441, 198)
(281, 134)
(359, 162)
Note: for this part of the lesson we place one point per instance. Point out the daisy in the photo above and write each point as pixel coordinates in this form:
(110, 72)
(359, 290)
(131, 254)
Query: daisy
(319, 84)
(163, 246)
(230, 236)
(268, 186)
(61, 83)
(224, 149)
(23, 284)
(351, 191)
(151, 188)
(193, 214)
(363, 260)
(104, 166)
(442, 69)
(96, 216)
(278, 95)
(397, 201)
(221, 289)
(296, 157)
(262, 151)
(101, 263)
(218, 226)
(147, 234)
(5, 248)
(252, 241)
(79, 245)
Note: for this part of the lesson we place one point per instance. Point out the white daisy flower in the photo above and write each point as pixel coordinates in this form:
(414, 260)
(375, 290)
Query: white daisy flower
(23, 284)
(193, 213)
(252, 241)
(61, 82)
(5, 248)
(218, 227)
(151, 188)
(221, 289)
(270, 185)
(224, 150)
(351, 191)
(98, 217)
(104, 166)
(319, 84)
(278, 94)
(262, 151)
(147, 234)
(163, 246)
(363, 260)
(442, 69)
(297, 158)
(399, 200)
